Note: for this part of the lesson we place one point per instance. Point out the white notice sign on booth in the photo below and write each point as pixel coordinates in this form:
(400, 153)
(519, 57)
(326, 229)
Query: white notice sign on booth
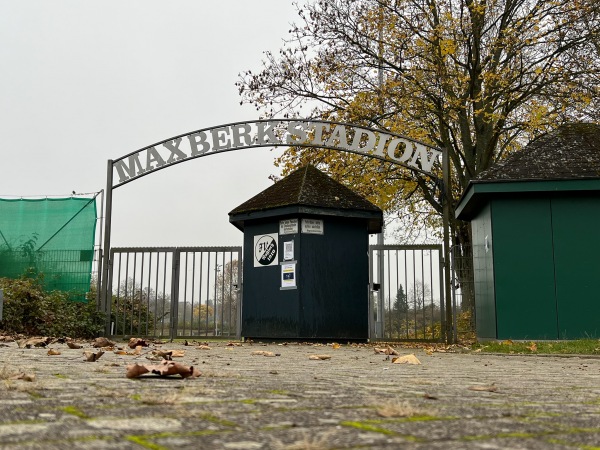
(288, 226)
(312, 226)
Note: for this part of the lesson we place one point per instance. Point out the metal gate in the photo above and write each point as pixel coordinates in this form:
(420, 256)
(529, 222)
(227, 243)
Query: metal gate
(407, 293)
(175, 292)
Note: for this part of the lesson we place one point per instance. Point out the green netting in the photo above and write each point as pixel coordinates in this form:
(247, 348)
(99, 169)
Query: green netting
(51, 236)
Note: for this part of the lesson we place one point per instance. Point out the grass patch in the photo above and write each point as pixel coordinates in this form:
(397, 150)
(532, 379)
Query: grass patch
(576, 347)
(74, 411)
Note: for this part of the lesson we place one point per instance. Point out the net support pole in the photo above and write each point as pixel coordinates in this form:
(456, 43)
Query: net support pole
(105, 295)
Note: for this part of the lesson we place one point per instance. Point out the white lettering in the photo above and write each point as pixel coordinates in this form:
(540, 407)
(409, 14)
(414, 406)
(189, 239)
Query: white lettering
(276, 133)
(295, 130)
(318, 129)
(339, 136)
(421, 153)
(152, 156)
(263, 132)
(358, 134)
(194, 143)
(174, 149)
(381, 144)
(126, 172)
(404, 146)
(241, 130)
(220, 138)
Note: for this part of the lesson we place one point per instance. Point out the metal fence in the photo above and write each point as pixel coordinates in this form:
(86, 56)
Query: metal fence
(169, 292)
(407, 294)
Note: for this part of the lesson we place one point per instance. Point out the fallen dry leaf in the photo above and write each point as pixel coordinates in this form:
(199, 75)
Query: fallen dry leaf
(507, 342)
(91, 356)
(163, 369)
(103, 342)
(406, 359)
(74, 345)
(319, 357)
(135, 342)
(162, 354)
(23, 376)
(335, 346)
(204, 347)
(32, 342)
(484, 388)
(533, 347)
(390, 351)
(53, 351)
(262, 353)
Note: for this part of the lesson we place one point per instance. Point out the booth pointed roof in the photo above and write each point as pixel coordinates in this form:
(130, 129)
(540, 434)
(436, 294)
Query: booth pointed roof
(308, 191)
(571, 151)
(307, 186)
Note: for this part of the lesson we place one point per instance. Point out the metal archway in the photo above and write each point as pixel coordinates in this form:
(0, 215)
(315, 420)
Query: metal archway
(369, 142)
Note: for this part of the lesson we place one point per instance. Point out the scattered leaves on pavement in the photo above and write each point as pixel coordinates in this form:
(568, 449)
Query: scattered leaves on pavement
(33, 342)
(262, 353)
(53, 351)
(388, 350)
(23, 376)
(163, 369)
(135, 342)
(319, 357)
(406, 359)
(103, 342)
(91, 356)
(484, 388)
(74, 345)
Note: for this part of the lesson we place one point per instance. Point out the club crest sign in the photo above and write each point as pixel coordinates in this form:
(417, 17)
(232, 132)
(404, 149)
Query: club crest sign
(265, 250)
(407, 152)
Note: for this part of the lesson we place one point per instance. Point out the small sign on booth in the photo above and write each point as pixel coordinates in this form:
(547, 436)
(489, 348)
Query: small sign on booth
(312, 226)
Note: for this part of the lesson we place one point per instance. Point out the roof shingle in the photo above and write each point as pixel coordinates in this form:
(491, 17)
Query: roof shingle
(306, 186)
(572, 151)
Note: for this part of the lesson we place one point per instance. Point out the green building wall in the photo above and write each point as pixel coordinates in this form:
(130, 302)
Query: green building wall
(538, 276)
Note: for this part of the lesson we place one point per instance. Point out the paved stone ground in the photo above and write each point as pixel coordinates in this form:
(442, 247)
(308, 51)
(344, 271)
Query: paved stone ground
(356, 399)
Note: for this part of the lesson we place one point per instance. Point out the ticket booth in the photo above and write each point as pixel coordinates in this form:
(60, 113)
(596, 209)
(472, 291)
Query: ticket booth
(305, 269)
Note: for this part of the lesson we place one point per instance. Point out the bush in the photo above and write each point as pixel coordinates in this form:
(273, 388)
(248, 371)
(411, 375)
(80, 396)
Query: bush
(29, 309)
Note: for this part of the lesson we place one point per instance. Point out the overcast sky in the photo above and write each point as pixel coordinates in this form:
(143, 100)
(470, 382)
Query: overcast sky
(87, 81)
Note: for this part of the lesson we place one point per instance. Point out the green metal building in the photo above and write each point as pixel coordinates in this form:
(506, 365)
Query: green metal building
(535, 221)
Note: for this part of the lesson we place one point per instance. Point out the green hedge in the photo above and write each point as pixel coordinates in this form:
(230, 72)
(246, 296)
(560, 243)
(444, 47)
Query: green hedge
(29, 309)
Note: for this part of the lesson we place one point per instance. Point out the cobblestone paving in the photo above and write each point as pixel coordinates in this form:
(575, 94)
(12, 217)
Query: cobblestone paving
(356, 399)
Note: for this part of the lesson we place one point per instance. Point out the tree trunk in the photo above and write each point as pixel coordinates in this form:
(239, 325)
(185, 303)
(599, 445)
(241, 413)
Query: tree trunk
(462, 268)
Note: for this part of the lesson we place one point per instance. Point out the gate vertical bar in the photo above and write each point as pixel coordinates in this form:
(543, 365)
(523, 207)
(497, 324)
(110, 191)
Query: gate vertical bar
(240, 296)
(174, 294)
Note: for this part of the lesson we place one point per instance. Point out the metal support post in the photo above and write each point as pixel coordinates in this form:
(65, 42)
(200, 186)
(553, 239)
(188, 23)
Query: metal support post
(105, 296)
(447, 196)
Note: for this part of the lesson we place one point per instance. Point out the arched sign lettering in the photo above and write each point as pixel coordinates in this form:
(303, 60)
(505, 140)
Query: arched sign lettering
(398, 149)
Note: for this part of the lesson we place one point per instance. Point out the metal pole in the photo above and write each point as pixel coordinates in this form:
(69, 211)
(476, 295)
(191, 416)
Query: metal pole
(447, 195)
(105, 296)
